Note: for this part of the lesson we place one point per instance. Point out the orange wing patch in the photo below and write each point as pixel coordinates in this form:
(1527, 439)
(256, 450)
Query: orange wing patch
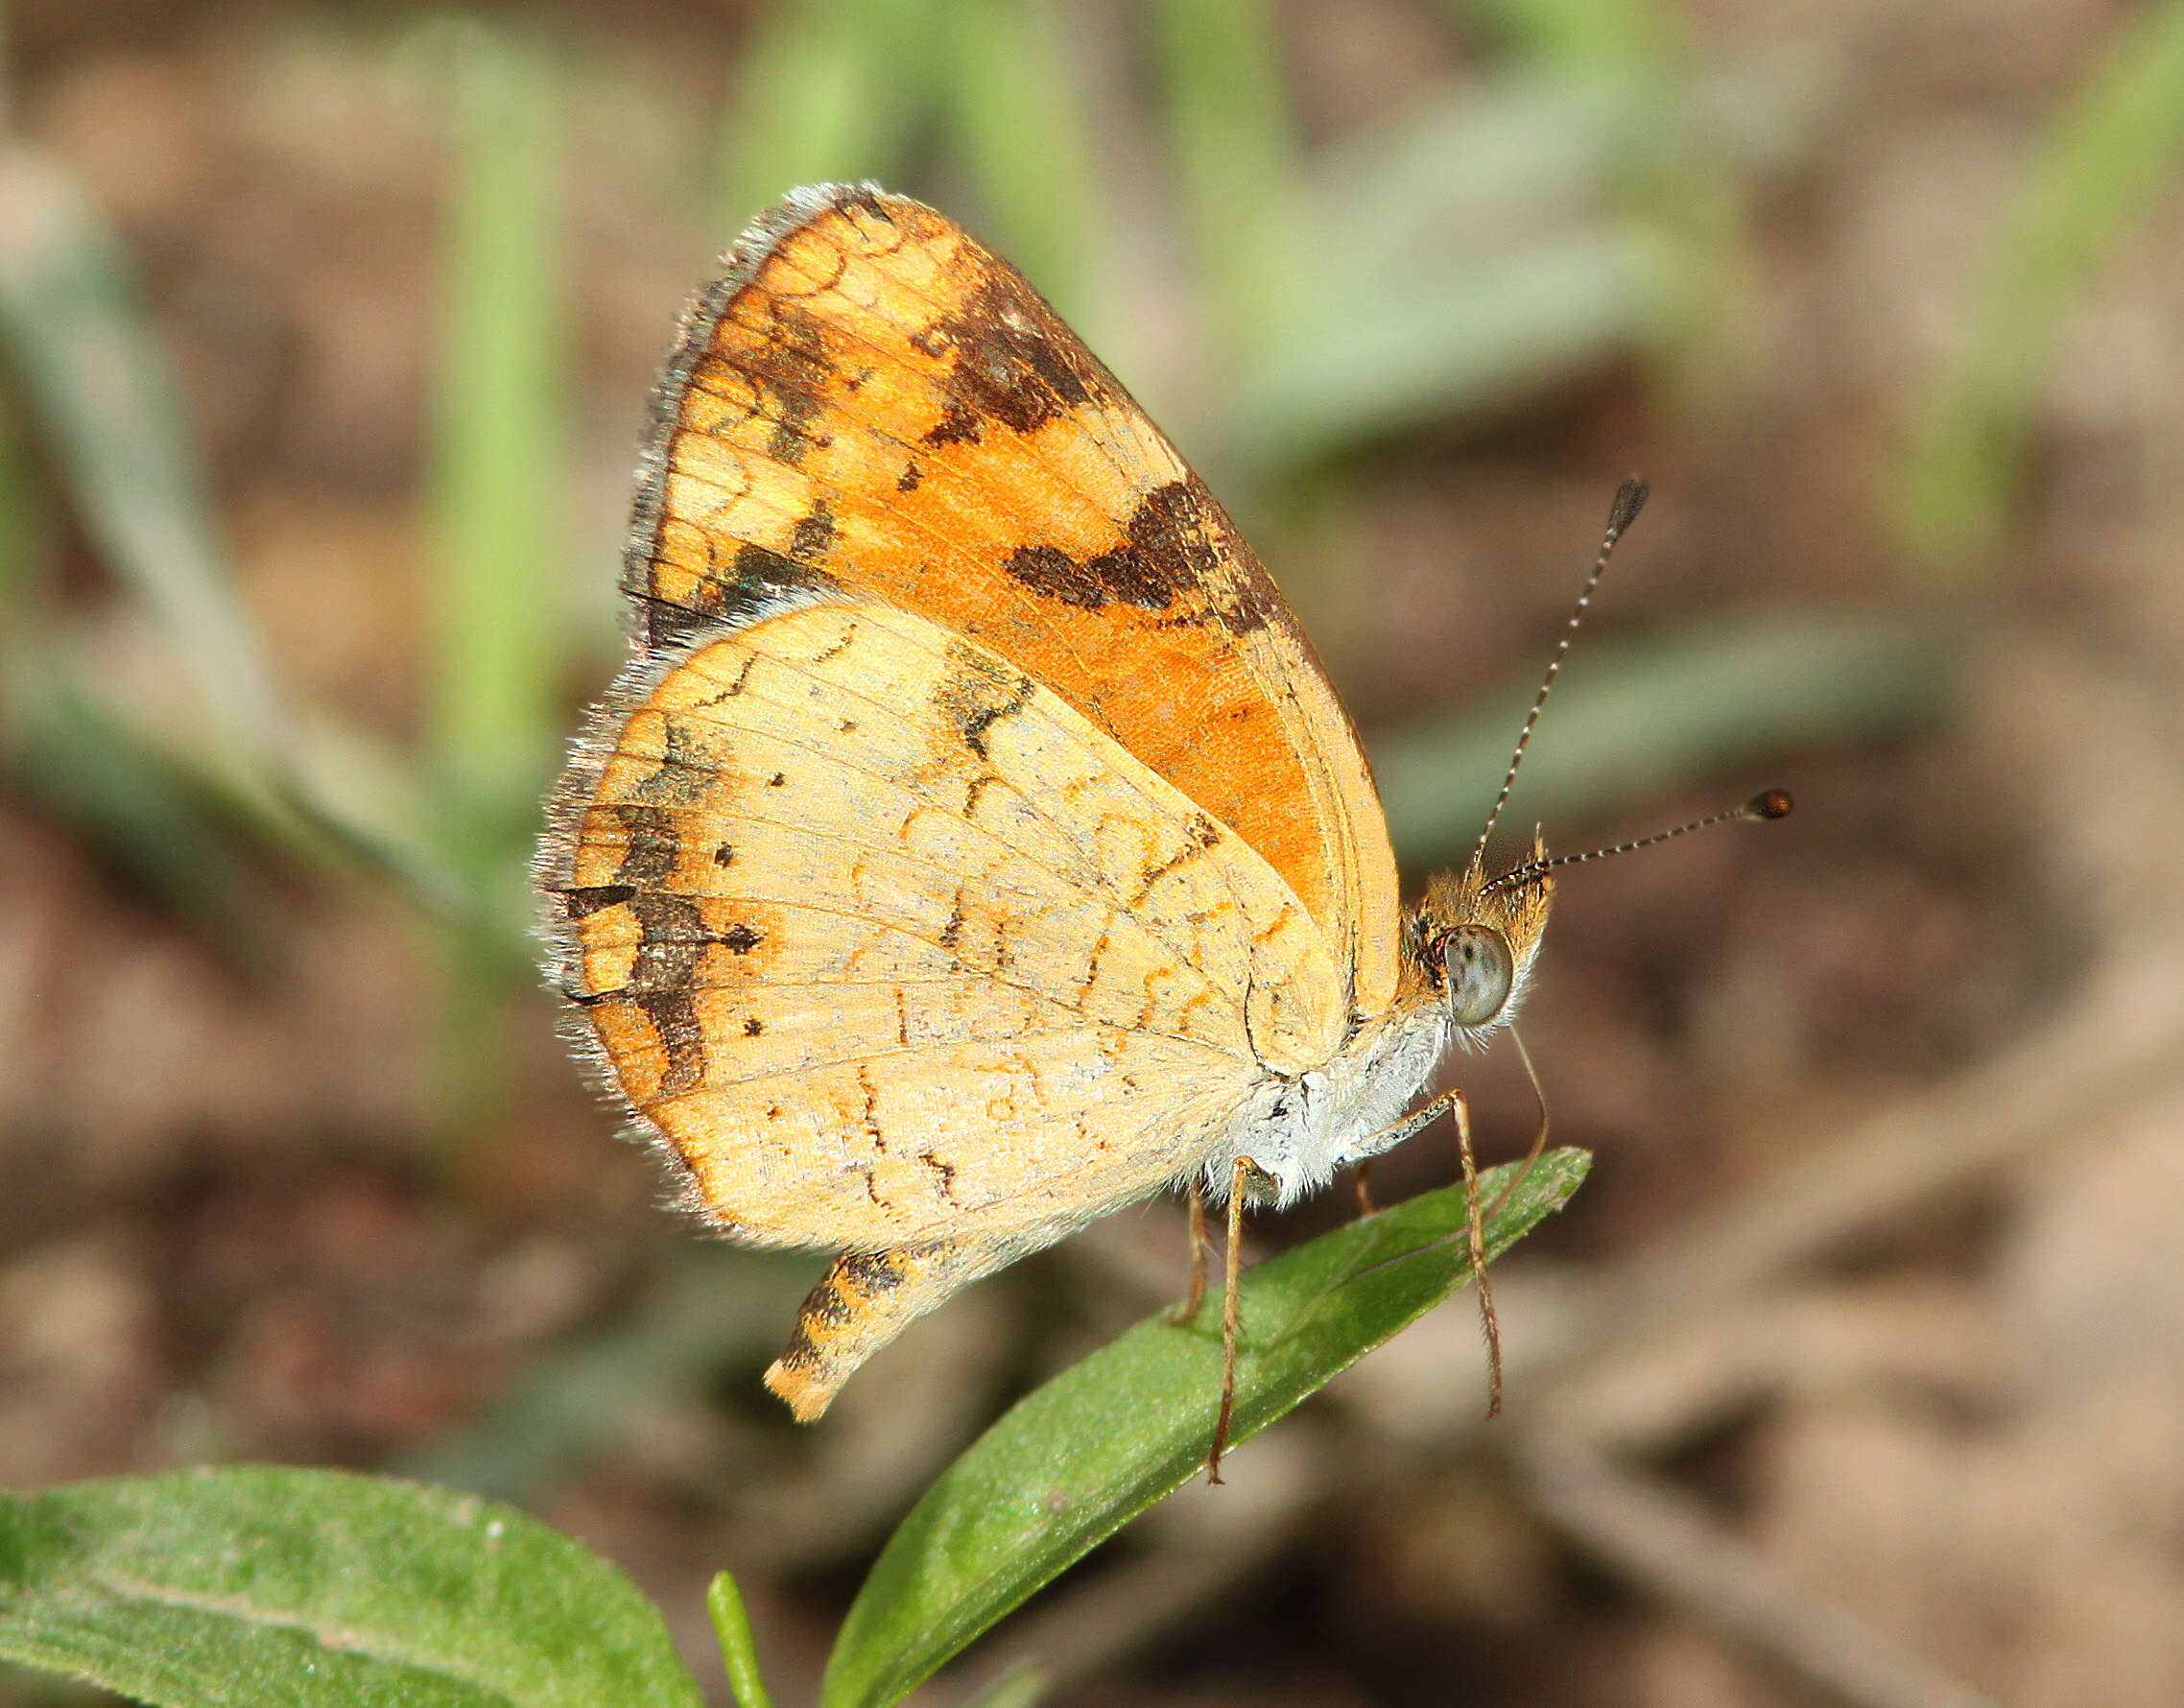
(871, 398)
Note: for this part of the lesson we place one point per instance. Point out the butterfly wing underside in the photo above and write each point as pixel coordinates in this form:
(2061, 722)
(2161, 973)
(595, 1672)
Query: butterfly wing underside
(976, 833)
(896, 951)
(888, 941)
(870, 395)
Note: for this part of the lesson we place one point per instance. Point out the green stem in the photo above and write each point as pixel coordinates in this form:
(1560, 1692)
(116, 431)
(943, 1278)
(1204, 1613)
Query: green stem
(739, 1652)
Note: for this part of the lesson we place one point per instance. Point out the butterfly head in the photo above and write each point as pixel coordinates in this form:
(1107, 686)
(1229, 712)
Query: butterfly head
(1470, 941)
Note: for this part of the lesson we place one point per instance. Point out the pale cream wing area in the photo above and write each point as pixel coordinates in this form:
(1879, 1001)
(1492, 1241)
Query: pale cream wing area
(891, 943)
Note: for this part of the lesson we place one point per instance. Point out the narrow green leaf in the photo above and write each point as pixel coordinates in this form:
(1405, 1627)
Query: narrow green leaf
(827, 90)
(1020, 1687)
(497, 462)
(498, 455)
(1236, 160)
(2108, 151)
(154, 821)
(263, 1585)
(1021, 134)
(73, 316)
(739, 1650)
(72, 313)
(1397, 357)
(1072, 1462)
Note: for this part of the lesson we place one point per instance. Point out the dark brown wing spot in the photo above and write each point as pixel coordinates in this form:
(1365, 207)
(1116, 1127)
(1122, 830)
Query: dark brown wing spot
(978, 693)
(663, 983)
(945, 1171)
(690, 764)
(1052, 573)
(786, 362)
(871, 1272)
(1009, 367)
(593, 898)
(1168, 551)
(754, 576)
(651, 852)
(957, 425)
(814, 534)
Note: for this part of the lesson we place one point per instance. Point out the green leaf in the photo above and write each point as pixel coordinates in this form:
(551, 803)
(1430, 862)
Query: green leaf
(264, 1585)
(1072, 1462)
(97, 383)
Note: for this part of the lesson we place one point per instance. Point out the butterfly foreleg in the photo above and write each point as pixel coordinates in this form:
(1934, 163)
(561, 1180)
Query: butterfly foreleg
(1473, 1214)
(1195, 1198)
(1241, 1171)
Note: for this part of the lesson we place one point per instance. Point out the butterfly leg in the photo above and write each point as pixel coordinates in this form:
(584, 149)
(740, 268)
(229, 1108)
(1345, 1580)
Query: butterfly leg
(862, 1303)
(1195, 1198)
(1361, 1178)
(1475, 1235)
(1232, 1270)
(1474, 1213)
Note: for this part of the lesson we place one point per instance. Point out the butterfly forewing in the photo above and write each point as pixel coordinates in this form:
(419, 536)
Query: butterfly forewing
(869, 396)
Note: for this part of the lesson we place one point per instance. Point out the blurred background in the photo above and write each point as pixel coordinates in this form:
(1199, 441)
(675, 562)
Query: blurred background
(1856, 1372)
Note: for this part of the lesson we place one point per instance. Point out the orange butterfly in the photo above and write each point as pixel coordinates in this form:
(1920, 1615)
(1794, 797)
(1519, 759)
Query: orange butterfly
(974, 844)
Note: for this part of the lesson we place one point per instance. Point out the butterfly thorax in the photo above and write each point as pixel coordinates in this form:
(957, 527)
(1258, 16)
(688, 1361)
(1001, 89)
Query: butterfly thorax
(1467, 950)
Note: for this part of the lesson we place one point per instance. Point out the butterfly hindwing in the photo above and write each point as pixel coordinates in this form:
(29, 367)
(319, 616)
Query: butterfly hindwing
(887, 940)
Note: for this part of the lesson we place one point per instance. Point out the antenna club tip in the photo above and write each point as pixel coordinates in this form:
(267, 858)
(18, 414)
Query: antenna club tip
(1630, 500)
(1770, 803)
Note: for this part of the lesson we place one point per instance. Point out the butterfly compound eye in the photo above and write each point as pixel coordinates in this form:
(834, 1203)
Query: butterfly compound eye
(1477, 961)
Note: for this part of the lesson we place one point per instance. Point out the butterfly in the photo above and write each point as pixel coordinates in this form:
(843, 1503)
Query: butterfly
(973, 844)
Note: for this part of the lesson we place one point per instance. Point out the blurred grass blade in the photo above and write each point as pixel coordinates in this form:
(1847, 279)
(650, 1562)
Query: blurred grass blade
(1020, 1687)
(1075, 1461)
(157, 825)
(1237, 164)
(498, 466)
(1619, 36)
(1642, 720)
(100, 391)
(1021, 134)
(1467, 174)
(739, 1648)
(259, 1587)
(498, 456)
(70, 311)
(1399, 356)
(827, 90)
(2111, 148)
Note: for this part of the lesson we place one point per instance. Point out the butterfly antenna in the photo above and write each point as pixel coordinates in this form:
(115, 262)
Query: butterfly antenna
(1768, 803)
(1630, 500)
